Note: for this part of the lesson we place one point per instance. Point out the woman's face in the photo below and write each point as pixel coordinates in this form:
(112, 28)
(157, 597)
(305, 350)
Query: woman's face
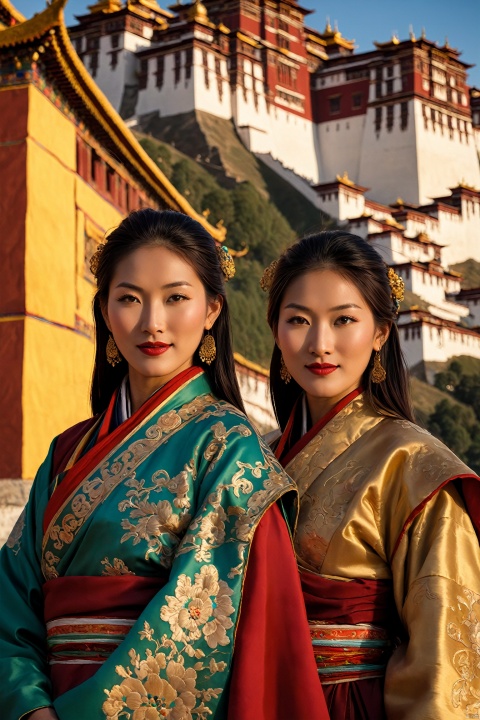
(157, 312)
(326, 333)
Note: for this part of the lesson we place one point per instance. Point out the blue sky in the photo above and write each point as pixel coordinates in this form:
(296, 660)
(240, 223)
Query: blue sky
(366, 21)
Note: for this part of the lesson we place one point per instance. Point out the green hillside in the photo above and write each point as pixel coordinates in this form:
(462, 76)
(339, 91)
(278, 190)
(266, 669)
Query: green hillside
(470, 270)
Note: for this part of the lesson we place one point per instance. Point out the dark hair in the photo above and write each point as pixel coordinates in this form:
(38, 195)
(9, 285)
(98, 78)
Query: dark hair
(189, 239)
(356, 260)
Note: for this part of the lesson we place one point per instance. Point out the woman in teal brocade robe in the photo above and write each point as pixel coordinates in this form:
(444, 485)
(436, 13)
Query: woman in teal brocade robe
(124, 578)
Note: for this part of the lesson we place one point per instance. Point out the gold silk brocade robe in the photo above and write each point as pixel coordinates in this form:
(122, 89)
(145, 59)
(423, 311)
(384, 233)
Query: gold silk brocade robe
(376, 503)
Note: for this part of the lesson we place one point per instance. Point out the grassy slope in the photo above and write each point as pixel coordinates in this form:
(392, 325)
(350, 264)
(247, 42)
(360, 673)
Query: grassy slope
(470, 269)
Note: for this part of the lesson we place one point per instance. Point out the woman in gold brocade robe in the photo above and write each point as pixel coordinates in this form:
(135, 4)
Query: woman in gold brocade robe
(387, 538)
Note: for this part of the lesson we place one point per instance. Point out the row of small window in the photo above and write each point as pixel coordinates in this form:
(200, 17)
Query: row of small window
(106, 180)
(335, 102)
(436, 116)
(390, 116)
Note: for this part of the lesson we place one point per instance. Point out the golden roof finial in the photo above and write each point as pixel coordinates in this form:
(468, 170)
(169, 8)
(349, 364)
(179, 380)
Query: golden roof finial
(424, 34)
(328, 27)
(345, 179)
(412, 34)
(106, 6)
(198, 11)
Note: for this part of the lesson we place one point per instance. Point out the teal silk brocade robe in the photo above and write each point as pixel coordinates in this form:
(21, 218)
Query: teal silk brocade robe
(182, 492)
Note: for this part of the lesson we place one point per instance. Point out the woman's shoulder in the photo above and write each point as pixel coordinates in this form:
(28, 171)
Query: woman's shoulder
(67, 441)
(426, 458)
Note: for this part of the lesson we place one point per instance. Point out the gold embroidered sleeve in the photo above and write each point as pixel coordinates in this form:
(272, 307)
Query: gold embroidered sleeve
(435, 672)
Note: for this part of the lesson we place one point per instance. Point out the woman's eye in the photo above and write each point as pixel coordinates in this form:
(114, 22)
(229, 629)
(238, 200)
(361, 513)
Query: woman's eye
(344, 320)
(297, 320)
(128, 299)
(177, 298)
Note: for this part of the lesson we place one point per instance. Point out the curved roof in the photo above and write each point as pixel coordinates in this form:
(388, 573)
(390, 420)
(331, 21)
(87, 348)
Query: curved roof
(9, 15)
(45, 34)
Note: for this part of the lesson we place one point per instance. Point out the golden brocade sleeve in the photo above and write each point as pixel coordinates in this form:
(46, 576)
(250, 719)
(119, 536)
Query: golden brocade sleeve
(435, 673)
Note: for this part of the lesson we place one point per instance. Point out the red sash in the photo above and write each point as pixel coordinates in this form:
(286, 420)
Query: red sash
(107, 441)
(83, 608)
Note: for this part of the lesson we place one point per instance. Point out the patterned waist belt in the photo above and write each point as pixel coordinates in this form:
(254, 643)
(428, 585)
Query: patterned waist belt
(349, 652)
(78, 641)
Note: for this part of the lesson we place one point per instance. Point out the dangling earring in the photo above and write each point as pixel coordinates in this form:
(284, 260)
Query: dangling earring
(378, 373)
(113, 354)
(284, 374)
(207, 352)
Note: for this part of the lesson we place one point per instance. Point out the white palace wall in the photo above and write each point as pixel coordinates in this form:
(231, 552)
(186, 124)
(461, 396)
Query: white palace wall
(339, 145)
(444, 158)
(436, 343)
(388, 162)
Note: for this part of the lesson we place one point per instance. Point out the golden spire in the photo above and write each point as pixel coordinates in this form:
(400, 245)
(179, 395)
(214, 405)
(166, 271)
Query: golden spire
(106, 6)
(147, 4)
(198, 12)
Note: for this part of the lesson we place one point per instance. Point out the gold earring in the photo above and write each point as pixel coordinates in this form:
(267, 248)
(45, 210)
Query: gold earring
(378, 373)
(284, 374)
(207, 352)
(113, 354)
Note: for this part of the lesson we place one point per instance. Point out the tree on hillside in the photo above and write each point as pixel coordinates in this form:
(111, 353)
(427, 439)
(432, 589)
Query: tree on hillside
(468, 392)
(449, 379)
(452, 424)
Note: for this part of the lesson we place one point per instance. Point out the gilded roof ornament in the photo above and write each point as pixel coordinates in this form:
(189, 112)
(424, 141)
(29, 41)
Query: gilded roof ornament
(106, 6)
(198, 12)
(345, 180)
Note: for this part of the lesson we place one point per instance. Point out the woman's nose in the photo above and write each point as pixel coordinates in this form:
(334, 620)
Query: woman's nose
(153, 319)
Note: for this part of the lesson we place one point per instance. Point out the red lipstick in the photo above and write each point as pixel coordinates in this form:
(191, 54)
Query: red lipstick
(321, 368)
(152, 349)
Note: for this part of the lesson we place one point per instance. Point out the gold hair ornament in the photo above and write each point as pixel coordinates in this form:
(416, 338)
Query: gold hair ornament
(398, 287)
(226, 262)
(95, 259)
(268, 274)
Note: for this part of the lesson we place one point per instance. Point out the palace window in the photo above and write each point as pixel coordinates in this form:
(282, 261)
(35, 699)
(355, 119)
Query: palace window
(404, 115)
(357, 99)
(143, 74)
(160, 71)
(177, 67)
(188, 63)
(205, 68)
(378, 119)
(334, 104)
(114, 41)
(93, 43)
(93, 64)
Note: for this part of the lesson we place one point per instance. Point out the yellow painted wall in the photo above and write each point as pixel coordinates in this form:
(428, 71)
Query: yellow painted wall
(56, 380)
(57, 361)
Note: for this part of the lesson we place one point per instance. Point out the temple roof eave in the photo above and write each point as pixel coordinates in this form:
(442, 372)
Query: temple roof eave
(7, 6)
(80, 89)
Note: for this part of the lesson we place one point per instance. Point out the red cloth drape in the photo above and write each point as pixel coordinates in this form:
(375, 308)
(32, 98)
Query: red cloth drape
(350, 603)
(274, 673)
